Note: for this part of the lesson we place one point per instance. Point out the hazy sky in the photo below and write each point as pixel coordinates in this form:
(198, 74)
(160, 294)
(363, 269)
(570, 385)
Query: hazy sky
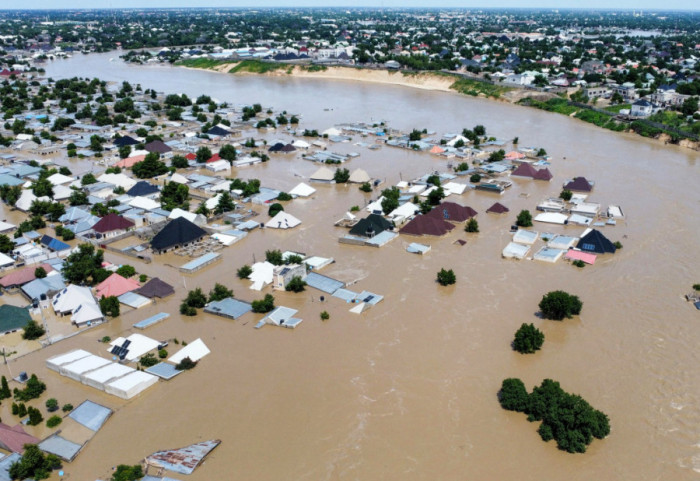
(588, 4)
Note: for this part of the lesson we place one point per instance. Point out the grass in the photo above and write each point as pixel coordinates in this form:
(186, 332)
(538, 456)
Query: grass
(256, 66)
(206, 63)
(601, 120)
(557, 105)
(313, 68)
(474, 88)
(616, 108)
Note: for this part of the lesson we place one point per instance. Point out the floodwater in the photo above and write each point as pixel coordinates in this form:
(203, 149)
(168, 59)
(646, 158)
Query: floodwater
(408, 389)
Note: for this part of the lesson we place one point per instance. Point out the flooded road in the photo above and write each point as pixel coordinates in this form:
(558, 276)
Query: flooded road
(407, 390)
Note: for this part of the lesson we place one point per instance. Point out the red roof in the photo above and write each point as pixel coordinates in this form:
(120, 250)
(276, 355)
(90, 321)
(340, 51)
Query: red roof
(426, 225)
(543, 174)
(498, 208)
(525, 170)
(452, 212)
(112, 222)
(190, 156)
(22, 276)
(579, 184)
(115, 285)
(14, 439)
(214, 158)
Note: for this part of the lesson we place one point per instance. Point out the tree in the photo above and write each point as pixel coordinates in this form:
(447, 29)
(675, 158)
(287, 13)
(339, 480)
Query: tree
(524, 219)
(52, 405)
(244, 272)
(82, 266)
(284, 197)
(566, 195)
(690, 106)
(78, 197)
(274, 257)
(6, 244)
(341, 176)
(541, 152)
(446, 277)
(415, 135)
(528, 339)
(475, 178)
(124, 151)
(149, 167)
(219, 293)
(274, 209)
(110, 306)
(435, 196)
(35, 417)
(480, 130)
(472, 225)
(179, 162)
(175, 195)
(127, 473)
(33, 331)
(148, 360)
(126, 271)
(228, 152)
(33, 388)
(513, 395)
(88, 179)
(185, 364)
(225, 204)
(264, 305)
(325, 316)
(390, 202)
(34, 464)
(557, 305)
(42, 187)
(196, 298)
(5, 392)
(54, 421)
(203, 154)
(497, 155)
(295, 284)
(10, 195)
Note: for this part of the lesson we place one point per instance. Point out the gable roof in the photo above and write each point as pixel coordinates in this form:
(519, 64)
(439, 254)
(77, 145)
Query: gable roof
(596, 242)
(323, 173)
(13, 317)
(498, 208)
(452, 212)
(142, 188)
(216, 130)
(177, 232)
(115, 285)
(13, 439)
(580, 184)
(371, 225)
(112, 222)
(155, 288)
(157, 146)
(22, 276)
(543, 174)
(524, 170)
(125, 140)
(425, 225)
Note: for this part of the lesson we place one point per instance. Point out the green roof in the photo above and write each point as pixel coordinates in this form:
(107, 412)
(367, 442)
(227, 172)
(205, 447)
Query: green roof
(12, 317)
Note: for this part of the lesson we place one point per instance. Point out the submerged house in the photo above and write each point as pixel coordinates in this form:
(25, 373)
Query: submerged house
(452, 212)
(426, 225)
(112, 225)
(177, 233)
(282, 275)
(579, 184)
(371, 225)
(595, 241)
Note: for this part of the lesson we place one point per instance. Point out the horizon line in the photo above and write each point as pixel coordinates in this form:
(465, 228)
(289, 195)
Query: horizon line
(361, 7)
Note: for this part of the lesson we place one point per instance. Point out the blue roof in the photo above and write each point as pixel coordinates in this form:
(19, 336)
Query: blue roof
(6, 179)
(229, 307)
(151, 320)
(61, 447)
(163, 370)
(5, 464)
(199, 261)
(37, 287)
(323, 283)
(73, 214)
(91, 415)
(54, 244)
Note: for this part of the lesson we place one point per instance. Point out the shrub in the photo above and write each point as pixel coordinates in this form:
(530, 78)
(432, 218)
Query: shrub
(53, 421)
(284, 197)
(696, 287)
(528, 339)
(264, 305)
(143, 278)
(186, 310)
(618, 245)
(32, 389)
(196, 298)
(127, 473)
(219, 293)
(524, 219)
(244, 271)
(185, 364)
(446, 277)
(325, 316)
(67, 408)
(33, 331)
(513, 395)
(475, 178)
(274, 257)
(126, 271)
(472, 225)
(162, 353)
(355, 208)
(341, 176)
(35, 417)
(148, 360)
(110, 306)
(275, 209)
(578, 263)
(39, 272)
(566, 195)
(106, 339)
(296, 284)
(557, 305)
(52, 405)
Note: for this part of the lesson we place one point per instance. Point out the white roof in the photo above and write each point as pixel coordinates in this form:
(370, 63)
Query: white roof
(5, 260)
(562, 242)
(71, 297)
(218, 165)
(615, 211)
(58, 179)
(454, 188)
(110, 372)
(552, 217)
(586, 208)
(225, 185)
(359, 176)
(25, 200)
(515, 250)
(579, 219)
(7, 226)
(75, 370)
(329, 132)
(61, 192)
(302, 190)
(456, 139)
(213, 202)
(226, 240)
(301, 144)
(405, 210)
(283, 220)
(144, 203)
(376, 205)
(427, 192)
(402, 185)
(179, 178)
(177, 212)
(66, 358)
(138, 346)
(195, 350)
(525, 236)
(86, 312)
(130, 385)
(416, 189)
(261, 275)
(120, 180)
(324, 173)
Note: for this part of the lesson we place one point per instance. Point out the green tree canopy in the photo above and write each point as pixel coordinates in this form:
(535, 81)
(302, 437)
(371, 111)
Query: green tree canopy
(557, 305)
(149, 167)
(528, 339)
(81, 266)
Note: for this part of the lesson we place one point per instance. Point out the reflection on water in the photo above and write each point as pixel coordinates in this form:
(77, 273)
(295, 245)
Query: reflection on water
(407, 390)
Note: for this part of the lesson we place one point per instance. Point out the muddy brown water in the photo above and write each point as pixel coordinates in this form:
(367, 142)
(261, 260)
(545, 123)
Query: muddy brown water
(407, 390)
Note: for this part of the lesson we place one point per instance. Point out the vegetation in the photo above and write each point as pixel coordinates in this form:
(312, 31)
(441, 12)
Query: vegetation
(148, 360)
(195, 299)
(126, 271)
(391, 200)
(472, 225)
(34, 464)
(274, 257)
(325, 316)
(33, 331)
(256, 66)
(127, 473)
(617, 244)
(51, 405)
(219, 293)
(341, 176)
(185, 364)
(476, 88)
(566, 418)
(162, 353)
(578, 263)
(150, 167)
(175, 195)
(528, 339)
(248, 188)
(225, 204)
(557, 305)
(67, 408)
(54, 421)
(475, 178)
(366, 187)
(284, 197)
(110, 306)
(295, 284)
(244, 271)
(84, 266)
(524, 219)
(35, 417)
(4, 389)
(264, 305)
(32, 389)
(566, 195)
(275, 209)
(446, 277)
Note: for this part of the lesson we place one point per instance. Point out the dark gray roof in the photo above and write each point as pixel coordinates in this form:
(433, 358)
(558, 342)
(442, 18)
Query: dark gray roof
(178, 232)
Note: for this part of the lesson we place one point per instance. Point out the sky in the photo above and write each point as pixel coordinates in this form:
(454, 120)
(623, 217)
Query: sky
(588, 4)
